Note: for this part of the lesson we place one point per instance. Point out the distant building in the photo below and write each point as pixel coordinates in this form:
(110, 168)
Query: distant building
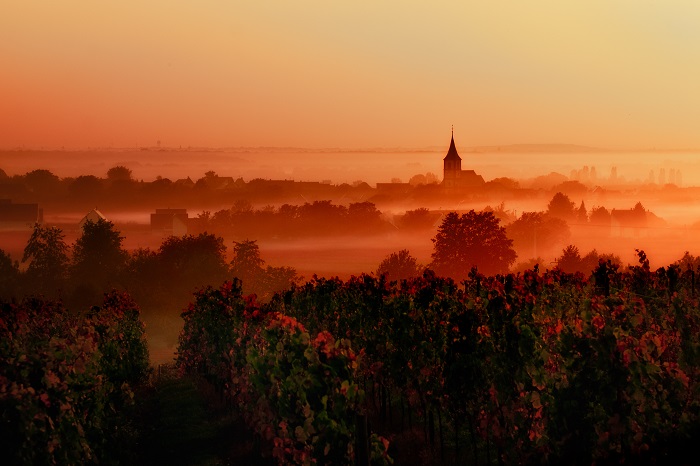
(394, 188)
(93, 216)
(186, 182)
(169, 222)
(454, 176)
(214, 181)
(19, 216)
(629, 222)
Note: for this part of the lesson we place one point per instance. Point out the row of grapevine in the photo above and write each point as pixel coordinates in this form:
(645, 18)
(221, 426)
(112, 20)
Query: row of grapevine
(534, 368)
(297, 390)
(66, 378)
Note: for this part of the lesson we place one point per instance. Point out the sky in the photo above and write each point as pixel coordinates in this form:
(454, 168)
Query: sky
(618, 74)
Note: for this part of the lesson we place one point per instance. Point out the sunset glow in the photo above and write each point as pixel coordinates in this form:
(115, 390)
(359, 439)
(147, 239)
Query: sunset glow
(360, 232)
(619, 74)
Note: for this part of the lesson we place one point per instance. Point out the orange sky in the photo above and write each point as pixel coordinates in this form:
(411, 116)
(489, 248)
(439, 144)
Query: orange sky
(606, 73)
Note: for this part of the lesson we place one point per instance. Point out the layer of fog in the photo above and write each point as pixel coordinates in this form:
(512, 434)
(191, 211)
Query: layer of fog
(347, 167)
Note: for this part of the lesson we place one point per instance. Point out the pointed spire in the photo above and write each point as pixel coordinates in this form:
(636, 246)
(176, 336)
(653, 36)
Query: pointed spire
(452, 151)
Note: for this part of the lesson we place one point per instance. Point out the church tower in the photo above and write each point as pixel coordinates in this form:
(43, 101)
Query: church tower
(452, 165)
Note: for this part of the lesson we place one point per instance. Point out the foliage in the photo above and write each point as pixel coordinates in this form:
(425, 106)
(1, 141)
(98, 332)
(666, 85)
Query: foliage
(9, 275)
(418, 219)
(189, 262)
(247, 265)
(600, 216)
(98, 256)
(571, 261)
(119, 173)
(48, 255)
(65, 380)
(474, 239)
(297, 390)
(399, 266)
(561, 206)
(538, 232)
(537, 368)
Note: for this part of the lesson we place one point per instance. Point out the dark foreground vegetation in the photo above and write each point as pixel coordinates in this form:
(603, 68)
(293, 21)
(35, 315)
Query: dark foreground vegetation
(538, 368)
(527, 368)
(67, 381)
(533, 368)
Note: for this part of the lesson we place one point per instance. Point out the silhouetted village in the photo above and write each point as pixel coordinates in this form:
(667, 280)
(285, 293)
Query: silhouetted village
(318, 228)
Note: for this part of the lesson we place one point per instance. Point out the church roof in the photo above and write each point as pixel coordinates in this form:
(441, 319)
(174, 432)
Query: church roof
(452, 152)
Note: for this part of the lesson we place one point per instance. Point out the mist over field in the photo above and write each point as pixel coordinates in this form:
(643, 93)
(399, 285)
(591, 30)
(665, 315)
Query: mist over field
(373, 166)
(615, 180)
(353, 233)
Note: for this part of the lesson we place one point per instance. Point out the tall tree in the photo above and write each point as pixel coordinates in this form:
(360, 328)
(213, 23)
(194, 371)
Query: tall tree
(582, 214)
(98, 256)
(399, 266)
(570, 260)
(119, 173)
(536, 233)
(473, 239)
(248, 265)
(190, 262)
(9, 276)
(561, 206)
(48, 255)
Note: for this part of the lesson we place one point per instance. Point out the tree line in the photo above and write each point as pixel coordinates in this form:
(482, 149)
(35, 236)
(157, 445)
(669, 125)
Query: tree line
(80, 273)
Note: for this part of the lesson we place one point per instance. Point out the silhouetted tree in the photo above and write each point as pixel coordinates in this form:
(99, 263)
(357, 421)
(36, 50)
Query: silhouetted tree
(190, 262)
(418, 219)
(417, 180)
(561, 206)
(600, 216)
(582, 214)
(398, 266)
(98, 262)
(277, 279)
(9, 276)
(639, 209)
(140, 276)
(364, 216)
(537, 233)
(119, 173)
(87, 188)
(688, 262)
(48, 255)
(530, 264)
(503, 183)
(474, 239)
(42, 184)
(247, 265)
(570, 260)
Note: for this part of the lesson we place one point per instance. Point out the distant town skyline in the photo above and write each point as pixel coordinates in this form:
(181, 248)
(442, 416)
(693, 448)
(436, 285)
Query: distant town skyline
(610, 74)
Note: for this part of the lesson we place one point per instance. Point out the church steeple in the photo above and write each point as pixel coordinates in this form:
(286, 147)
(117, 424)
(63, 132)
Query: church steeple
(452, 164)
(454, 176)
(452, 154)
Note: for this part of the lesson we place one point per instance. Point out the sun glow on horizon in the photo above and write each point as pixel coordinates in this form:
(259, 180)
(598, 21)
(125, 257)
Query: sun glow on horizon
(366, 74)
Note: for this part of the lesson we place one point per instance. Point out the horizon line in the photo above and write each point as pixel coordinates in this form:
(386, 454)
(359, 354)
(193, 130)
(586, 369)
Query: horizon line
(435, 148)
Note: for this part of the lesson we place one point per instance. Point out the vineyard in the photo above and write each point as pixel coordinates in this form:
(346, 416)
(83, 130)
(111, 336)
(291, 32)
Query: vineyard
(66, 380)
(534, 368)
